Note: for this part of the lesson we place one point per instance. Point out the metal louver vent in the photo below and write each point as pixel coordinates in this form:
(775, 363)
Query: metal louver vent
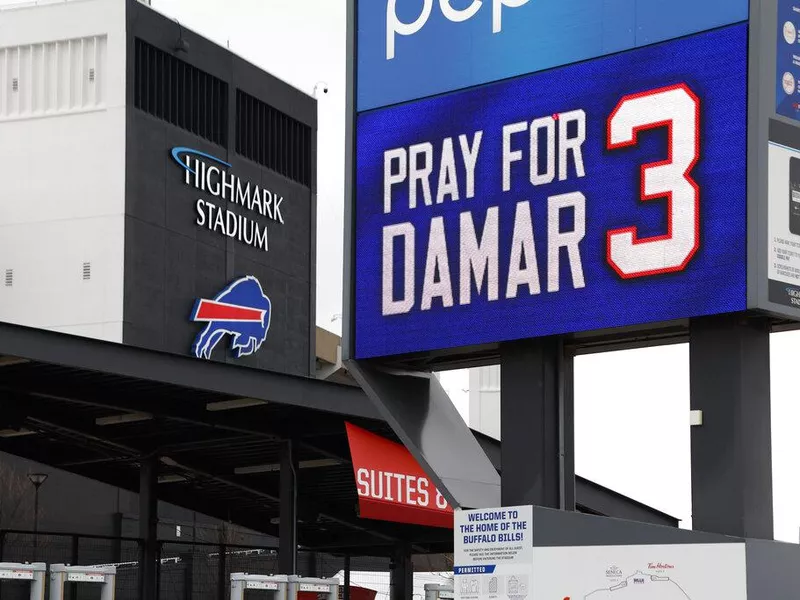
(15, 84)
(9, 277)
(87, 271)
(91, 74)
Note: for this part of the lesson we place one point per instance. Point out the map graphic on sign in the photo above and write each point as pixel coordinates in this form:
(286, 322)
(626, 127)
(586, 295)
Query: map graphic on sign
(665, 572)
(639, 585)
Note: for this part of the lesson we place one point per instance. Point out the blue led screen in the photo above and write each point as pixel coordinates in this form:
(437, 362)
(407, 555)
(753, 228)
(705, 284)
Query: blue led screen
(602, 194)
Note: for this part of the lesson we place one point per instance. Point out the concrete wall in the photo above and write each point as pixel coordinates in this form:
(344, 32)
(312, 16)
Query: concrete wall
(484, 400)
(62, 165)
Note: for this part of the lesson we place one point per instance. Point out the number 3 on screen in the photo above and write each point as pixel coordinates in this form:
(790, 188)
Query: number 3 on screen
(677, 108)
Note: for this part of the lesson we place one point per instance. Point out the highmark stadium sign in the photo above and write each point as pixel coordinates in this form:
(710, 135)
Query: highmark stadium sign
(602, 194)
(211, 175)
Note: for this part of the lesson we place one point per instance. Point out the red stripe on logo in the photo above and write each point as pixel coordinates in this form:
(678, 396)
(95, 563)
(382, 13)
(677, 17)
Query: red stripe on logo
(208, 310)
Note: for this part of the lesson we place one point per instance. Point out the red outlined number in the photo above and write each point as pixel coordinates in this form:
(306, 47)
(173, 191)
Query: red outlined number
(677, 108)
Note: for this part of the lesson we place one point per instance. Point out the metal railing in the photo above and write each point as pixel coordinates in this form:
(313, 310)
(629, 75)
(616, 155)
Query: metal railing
(186, 570)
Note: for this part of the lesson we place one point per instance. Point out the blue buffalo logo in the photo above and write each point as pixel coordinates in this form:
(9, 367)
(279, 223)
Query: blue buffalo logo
(241, 310)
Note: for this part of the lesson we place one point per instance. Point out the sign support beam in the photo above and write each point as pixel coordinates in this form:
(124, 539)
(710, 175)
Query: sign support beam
(537, 424)
(732, 449)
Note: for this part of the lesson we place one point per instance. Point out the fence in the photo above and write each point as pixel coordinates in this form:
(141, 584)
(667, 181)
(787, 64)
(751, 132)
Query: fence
(186, 570)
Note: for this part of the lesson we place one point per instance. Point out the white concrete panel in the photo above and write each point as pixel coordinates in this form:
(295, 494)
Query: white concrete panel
(62, 164)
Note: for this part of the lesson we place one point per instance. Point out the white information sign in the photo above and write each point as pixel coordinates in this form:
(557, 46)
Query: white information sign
(673, 572)
(494, 553)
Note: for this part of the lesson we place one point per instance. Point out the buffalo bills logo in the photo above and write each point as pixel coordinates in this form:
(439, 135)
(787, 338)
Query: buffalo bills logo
(241, 310)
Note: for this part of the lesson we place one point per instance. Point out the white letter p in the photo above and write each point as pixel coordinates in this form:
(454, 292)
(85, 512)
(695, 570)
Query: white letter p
(497, 13)
(394, 25)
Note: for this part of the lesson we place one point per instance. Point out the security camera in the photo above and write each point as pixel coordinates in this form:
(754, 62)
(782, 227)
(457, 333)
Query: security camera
(320, 85)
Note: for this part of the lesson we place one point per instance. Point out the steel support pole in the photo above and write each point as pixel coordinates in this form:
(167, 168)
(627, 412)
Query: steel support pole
(222, 581)
(346, 591)
(537, 424)
(287, 529)
(732, 448)
(35, 523)
(148, 528)
(401, 574)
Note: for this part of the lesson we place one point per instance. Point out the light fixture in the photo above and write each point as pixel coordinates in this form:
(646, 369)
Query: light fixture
(38, 479)
(181, 45)
(12, 433)
(320, 85)
(272, 467)
(172, 479)
(319, 462)
(234, 404)
(134, 417)
(251, 470)
(10, 361)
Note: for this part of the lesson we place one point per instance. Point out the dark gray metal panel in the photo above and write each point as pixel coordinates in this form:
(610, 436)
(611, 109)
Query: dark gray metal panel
(758, 59)
(170, 261)
(422, 415)
(348, 271)
(732, 450)
(772, 570)
(601, 500)
(536, 449)
(116, 359)
(562, 528)
(763, 45)
(566, 449)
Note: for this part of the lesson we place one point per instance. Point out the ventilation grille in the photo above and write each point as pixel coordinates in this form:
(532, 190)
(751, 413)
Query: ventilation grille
(87, 271)
(9, 277)
(91, 75)
(50, 78)
(273, 139)
(178, 93)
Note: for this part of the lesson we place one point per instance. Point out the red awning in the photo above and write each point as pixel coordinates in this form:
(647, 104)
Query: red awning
(391, 484)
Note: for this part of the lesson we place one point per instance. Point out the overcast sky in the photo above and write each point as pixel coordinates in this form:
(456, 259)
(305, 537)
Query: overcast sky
(631, 408)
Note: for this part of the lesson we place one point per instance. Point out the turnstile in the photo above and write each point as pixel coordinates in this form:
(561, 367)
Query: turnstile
(326, 589)
(284, 587)
(434, 591)
(32, 572)
(277, 584)
(105, 577)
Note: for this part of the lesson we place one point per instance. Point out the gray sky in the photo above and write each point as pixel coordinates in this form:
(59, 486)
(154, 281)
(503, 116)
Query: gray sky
(632, 407)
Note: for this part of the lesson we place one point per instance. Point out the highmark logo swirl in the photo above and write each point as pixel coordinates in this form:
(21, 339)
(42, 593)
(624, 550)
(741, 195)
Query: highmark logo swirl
(211, 175)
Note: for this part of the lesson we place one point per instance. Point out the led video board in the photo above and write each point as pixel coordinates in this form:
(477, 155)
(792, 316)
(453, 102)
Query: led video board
(410, 49)
(602, 194)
